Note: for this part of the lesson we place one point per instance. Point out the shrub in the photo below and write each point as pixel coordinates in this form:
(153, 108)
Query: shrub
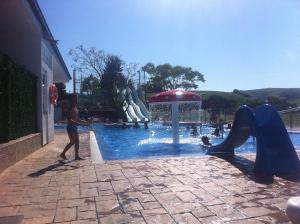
(17, 100)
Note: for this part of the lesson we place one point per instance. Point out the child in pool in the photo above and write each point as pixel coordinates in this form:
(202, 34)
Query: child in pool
(217, 132)
(194, 131)
(205, 141)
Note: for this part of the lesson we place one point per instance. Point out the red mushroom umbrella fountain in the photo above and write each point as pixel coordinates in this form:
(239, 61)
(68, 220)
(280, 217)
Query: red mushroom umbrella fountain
(175, 97)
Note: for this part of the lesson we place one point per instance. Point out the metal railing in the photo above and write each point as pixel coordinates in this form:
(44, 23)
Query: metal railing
(291, 118)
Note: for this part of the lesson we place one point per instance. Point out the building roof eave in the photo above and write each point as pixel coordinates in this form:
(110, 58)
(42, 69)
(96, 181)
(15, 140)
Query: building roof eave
(47, 33)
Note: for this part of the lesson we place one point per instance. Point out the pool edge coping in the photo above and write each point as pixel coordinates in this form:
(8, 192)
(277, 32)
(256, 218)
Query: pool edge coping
(96, 155)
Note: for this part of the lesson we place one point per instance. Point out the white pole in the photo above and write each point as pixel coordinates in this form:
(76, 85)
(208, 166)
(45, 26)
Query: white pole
(175, 122)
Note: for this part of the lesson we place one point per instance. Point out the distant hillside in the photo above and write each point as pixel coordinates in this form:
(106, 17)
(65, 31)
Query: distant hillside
(231, 96)
(228, 95)
(291, 95)
(287, 93)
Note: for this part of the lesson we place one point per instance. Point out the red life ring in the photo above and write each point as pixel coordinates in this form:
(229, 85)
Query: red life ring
(53, 94)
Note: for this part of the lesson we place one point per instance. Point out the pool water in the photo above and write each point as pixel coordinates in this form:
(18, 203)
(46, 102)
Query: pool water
(136, 143)
(62, 128)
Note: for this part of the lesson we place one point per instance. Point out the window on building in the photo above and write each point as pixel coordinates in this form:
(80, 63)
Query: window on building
(47, 54)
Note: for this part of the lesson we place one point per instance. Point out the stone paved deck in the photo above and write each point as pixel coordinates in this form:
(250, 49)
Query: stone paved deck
(39, 190)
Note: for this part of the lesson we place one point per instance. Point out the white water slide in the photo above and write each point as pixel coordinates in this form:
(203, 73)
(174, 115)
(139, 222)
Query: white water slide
(131, 109)
(136, 108)
(141, 105)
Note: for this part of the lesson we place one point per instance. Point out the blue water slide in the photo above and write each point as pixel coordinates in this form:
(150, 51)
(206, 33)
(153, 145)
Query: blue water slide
(275, 153)
(243, 126)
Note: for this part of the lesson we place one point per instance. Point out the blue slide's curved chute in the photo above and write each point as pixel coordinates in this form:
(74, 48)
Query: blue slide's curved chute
(242, 128)
(275, 153)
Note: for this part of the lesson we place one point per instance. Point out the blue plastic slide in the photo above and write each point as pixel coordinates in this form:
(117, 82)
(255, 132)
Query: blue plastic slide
(275, 151)
(242, 128)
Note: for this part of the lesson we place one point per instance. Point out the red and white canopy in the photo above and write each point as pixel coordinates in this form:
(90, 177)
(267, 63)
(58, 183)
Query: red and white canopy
(175, 96)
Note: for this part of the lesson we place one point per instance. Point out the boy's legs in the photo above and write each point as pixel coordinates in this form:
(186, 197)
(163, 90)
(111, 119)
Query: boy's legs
(72, 138)
(77, 147)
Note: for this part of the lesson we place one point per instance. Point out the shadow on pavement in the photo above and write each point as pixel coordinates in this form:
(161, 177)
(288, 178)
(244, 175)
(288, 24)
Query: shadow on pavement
(293, 177)
(246, 166)
(17, 219)
(59, 164)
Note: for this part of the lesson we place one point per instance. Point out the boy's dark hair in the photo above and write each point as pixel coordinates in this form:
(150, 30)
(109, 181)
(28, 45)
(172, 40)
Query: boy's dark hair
(204, 137)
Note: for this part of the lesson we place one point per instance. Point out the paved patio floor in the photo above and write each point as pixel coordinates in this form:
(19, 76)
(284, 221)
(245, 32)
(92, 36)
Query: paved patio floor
(41, 189)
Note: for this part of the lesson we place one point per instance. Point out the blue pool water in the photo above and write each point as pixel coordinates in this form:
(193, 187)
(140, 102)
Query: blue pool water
(62, 128)
(119, 144)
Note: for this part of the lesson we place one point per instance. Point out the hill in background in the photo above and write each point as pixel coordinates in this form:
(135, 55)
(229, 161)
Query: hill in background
(290, 95)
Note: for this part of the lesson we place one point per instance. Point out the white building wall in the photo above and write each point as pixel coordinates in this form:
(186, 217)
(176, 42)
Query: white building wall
(21, 40)
(26, 51)
(48, 108)
(21, 37)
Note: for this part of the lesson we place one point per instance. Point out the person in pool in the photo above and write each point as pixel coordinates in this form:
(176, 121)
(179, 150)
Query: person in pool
(73, 122)
(146, 124)
(205, 141)
(217, 132)
(124, 126)
(136, 125)
(194, 131)
(221, 127)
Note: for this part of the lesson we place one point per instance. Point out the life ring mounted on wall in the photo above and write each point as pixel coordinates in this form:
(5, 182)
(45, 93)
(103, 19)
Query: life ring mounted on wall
(53, 94)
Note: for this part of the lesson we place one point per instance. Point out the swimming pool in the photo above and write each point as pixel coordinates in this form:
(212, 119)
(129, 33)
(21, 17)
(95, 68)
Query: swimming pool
(62, 127)
(136, 143)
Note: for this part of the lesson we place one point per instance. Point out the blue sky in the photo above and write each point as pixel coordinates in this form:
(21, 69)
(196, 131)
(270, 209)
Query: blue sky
(236, 44)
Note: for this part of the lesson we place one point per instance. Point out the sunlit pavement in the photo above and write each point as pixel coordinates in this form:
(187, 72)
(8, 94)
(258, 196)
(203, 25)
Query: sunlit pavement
(41, 189)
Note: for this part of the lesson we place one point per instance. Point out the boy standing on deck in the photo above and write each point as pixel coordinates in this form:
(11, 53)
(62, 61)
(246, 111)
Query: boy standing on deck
(73, 121)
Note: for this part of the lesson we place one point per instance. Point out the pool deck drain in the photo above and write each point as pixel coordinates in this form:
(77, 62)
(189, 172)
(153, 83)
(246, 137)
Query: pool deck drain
(43, 189)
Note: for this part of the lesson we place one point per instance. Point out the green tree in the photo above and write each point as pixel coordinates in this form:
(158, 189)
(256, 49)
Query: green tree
(167, 77)
(279, 104)
(112, 83)
(218, 105)
(112, 74)
(88, 61)
(254, 102)
(90, 85)
(104, 77)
